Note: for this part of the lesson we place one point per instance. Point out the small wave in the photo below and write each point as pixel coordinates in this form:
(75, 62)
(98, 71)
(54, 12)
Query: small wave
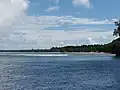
(34, 54)
(45, 54)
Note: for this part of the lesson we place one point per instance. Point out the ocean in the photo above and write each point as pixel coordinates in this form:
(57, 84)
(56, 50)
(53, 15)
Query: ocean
(22, 71)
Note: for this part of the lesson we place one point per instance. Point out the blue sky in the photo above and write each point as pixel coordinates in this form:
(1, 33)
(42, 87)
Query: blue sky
(98, 9)
(27, 24)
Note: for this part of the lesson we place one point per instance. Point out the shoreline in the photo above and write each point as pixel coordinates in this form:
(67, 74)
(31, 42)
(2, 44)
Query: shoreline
(91, 53)
(56, 53)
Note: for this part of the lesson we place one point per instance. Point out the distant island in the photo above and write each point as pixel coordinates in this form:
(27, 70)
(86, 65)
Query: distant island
(106, 48)
(112, 47)
(83, 48)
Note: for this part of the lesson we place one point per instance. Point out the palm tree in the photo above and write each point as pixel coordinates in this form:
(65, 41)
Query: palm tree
(116, 43)
(117, 30)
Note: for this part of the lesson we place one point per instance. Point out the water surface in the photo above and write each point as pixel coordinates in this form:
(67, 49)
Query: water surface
(81, 72)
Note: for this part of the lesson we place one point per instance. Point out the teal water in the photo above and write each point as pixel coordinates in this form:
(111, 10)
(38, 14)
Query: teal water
(81, 72)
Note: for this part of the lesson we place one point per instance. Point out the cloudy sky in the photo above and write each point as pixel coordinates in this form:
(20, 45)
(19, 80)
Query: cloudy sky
(27, 24)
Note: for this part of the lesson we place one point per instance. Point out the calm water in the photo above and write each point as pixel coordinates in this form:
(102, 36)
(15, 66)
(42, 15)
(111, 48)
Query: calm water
(83, 72)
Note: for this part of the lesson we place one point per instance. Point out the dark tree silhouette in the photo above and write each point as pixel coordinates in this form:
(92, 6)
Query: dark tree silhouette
(117, 30)
(116, 43)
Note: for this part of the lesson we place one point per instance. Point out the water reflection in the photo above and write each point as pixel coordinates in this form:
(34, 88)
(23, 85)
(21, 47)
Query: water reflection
(116, 57)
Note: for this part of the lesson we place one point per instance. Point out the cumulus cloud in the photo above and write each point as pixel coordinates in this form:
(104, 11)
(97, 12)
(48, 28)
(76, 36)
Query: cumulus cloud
(85, 3)
(11, 11)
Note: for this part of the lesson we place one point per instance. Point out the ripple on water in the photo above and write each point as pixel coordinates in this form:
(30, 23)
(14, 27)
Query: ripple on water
(59, 75)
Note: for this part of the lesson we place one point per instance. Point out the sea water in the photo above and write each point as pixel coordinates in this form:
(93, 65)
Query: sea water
(59, 72)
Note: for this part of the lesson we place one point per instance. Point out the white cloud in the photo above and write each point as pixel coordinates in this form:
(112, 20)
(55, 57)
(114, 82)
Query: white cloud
(90, 21)
(11, 11)
(62, 20)
(91, 41)
(17, 32)
(48, 39)
(31, 32)
(85, 3)
(52, 8)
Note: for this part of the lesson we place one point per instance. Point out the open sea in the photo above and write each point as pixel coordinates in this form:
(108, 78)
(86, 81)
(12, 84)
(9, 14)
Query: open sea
(59, 72)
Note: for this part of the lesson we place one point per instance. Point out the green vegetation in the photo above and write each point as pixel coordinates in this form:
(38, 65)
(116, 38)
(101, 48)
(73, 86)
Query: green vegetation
(84, 48)
(116, 43)
(116, 47)
(107, 48)
(117, 30)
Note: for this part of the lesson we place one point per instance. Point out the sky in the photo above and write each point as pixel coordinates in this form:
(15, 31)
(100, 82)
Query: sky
(38, 24)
